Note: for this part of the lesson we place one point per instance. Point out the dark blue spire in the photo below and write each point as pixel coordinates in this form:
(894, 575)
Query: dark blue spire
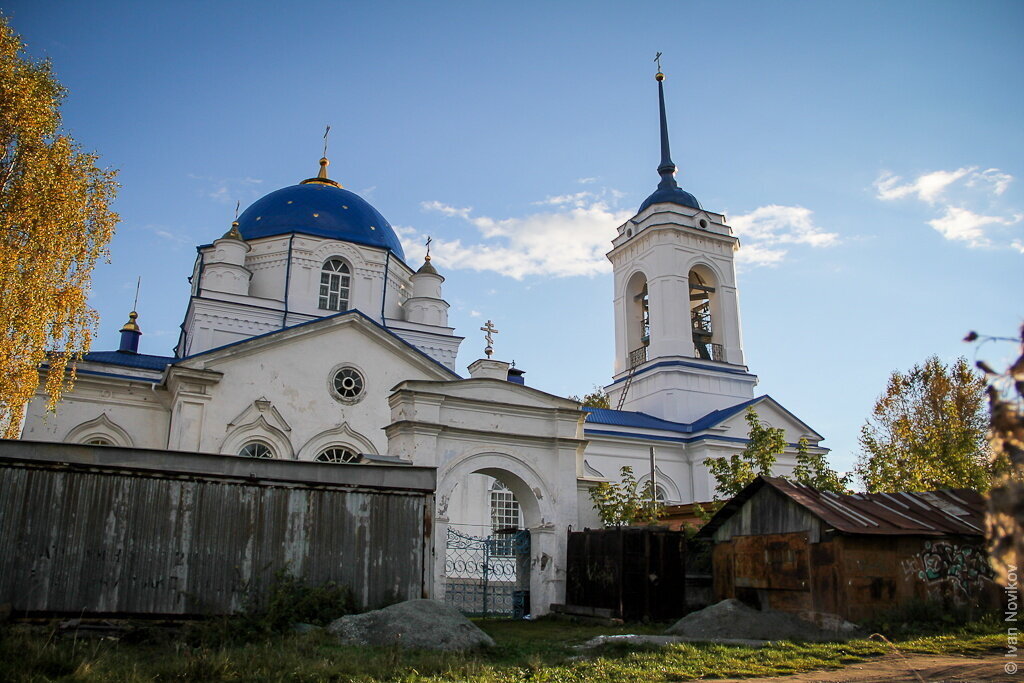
(667, 168)
(668, 190)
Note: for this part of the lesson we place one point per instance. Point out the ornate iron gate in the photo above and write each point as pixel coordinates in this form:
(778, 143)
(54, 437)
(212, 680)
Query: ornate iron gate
(488, 575)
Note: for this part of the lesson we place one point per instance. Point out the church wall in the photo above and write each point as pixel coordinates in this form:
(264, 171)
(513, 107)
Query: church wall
(124, 412)
(606, 454)
(295, 378)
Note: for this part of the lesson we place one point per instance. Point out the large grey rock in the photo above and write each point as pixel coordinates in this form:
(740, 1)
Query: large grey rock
(422, 624)
(733, 619)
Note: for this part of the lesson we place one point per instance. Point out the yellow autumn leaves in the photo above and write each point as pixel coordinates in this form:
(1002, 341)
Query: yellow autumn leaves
(55, 222)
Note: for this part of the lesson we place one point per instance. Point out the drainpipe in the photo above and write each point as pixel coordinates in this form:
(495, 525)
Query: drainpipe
(287, 281)
(384, 290)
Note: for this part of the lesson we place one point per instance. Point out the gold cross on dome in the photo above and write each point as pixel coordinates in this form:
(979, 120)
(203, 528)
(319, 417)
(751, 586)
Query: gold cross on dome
(490, 330)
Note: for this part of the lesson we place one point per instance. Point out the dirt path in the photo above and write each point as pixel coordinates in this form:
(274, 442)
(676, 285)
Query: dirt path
(907, 669)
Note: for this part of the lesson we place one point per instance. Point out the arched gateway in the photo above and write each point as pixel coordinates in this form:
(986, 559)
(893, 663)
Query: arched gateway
(530, 441)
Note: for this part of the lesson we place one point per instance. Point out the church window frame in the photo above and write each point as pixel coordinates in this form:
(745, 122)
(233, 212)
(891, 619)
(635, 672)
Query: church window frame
(257, 449)
(335, 285)
(338, 455)
(99, 441)
(347, 383)
(505, 513)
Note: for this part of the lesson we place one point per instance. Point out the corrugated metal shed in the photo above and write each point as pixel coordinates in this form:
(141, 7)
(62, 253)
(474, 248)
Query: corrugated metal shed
(932, 513)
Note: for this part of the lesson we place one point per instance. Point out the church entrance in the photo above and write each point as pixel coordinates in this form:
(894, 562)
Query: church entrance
(488, 575)
(492, 545)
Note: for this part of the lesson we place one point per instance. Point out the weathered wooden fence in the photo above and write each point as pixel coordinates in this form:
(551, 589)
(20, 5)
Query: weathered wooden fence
(118, 531)
(636, 572)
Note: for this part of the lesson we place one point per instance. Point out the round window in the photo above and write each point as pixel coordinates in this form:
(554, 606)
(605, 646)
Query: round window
(256, 449)
(347, 384)
(336, 454)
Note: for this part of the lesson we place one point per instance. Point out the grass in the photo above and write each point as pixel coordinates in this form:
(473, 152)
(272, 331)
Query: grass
(526, 651)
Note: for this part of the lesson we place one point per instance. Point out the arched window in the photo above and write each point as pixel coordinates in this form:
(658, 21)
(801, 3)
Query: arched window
(659, 494)
(505, 515)
(99, 442)
(337, 455)
(256, 449)
(335, 278)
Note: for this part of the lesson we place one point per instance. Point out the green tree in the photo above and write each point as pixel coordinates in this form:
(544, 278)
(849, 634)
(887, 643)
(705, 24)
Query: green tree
(55, 222)
(927, 431)
(812, 469)
(626, 502)
(764, 445)
(595, 399)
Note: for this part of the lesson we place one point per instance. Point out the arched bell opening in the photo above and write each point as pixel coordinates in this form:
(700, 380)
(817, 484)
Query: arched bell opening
(704, 315)
(638, 317)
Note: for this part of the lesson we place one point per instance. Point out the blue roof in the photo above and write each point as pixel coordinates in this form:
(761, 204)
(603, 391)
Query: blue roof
(675, 195)
(130, 360)
(627, 418)
(322, 210)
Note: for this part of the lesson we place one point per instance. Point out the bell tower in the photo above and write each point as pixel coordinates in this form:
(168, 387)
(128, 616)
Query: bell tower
(678, 344)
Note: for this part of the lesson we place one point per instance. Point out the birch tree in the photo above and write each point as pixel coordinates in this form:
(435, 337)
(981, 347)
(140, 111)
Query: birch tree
(55, 222)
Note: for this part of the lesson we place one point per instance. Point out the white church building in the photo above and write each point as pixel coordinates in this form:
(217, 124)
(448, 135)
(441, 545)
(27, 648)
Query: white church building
(308, 336)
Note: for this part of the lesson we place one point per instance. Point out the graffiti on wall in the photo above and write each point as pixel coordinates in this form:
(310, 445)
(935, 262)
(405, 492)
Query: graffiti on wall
(959, 571)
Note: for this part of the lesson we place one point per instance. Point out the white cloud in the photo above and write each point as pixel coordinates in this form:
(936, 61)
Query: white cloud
(763, 230)
(928, 187)
(963, 225)
(994, 177)
(586, 181)
(758, 255)
(446, 209)
(957, 222)
(560, 243)
(475, 314)
(1018, 245)
(576, 199)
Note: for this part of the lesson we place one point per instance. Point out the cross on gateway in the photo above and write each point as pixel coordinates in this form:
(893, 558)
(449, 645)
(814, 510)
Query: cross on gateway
(490, 330)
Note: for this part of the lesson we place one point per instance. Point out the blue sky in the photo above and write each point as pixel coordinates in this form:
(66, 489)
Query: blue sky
(869, 156)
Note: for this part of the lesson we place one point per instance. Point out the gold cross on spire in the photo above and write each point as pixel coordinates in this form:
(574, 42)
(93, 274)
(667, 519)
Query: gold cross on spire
(490, 330)
(657, 58)
(328, 132)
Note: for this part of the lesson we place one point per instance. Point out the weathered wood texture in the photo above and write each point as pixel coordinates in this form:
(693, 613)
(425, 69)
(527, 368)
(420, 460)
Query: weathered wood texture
(637, 573)
(770, 556)
(95, 530)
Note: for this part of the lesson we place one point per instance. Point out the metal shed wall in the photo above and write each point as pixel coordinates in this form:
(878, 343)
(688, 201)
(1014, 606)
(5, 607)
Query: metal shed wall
(99, 530)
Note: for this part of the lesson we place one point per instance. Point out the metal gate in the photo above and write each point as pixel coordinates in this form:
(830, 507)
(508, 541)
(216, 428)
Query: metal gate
(488, 575)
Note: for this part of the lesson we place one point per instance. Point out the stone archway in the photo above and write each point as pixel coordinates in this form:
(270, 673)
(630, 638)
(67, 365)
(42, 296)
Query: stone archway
(546, 554)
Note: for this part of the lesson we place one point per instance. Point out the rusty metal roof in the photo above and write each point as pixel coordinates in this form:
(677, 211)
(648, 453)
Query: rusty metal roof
(927, 513)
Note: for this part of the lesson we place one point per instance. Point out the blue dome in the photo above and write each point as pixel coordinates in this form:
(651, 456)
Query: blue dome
(675, 195)
(319, 209)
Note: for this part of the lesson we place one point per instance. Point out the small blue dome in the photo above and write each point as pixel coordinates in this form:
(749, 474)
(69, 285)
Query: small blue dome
(675, 195)
(319, 209)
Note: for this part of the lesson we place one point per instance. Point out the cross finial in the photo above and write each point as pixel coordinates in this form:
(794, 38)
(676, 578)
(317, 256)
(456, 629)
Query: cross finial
(238, 204)
(328, 132)
(489, 329)
(138, 284)
(429, 240)
(657, 58)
